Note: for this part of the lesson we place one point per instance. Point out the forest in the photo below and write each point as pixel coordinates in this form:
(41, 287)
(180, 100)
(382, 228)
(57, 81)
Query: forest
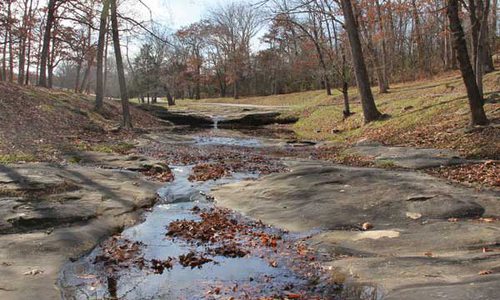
(305, 45)
(249, 149)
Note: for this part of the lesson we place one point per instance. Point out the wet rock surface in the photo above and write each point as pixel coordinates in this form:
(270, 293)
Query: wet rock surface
(52, 213)
(429, 239)
(339, 232)
(187, 248)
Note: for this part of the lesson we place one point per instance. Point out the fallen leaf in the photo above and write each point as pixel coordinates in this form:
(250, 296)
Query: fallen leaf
(293, 296)
(33, 272)
(367, 226)
(485, 272)
(413, 215)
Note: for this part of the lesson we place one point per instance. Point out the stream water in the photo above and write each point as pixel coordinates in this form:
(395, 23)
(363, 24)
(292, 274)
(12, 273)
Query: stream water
(249, 277)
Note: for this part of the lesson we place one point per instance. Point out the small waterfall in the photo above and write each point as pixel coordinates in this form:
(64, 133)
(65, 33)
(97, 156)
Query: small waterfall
(216, 120)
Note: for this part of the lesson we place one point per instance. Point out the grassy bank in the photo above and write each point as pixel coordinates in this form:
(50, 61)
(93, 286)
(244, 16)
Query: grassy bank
(427, 113)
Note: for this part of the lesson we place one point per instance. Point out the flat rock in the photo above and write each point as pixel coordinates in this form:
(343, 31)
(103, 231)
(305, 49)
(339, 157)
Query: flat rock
(337, 197)
(116, 161)
(50, 213)
(409, 157)
(225, 115)
(403, 257)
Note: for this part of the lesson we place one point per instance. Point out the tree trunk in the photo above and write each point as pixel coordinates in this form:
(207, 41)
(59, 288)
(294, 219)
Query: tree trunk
(86, 74)
(483, 11)
(236, 94)
(478, 117)
(28, 60)
(384, 76)
(78, 73)
(42, 77)
(28, 54)
(106, 71)
(4, 55)
(22, 42)
(11, 52)
(370, 111)
(170, 99)
(127, 120)
(422, 61)
(99, 91)
(198, 76)
(51, 62)
(345, 93)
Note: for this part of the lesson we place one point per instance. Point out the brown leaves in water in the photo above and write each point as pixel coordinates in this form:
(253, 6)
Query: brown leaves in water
(214, 226)
(208, 171)
(232, 250)
(118, 252)
(219, 228)
(166, 176)
(158, 266)
(193, 260)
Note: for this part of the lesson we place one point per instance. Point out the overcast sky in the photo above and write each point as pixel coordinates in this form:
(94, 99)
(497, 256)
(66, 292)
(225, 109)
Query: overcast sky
(178, 13)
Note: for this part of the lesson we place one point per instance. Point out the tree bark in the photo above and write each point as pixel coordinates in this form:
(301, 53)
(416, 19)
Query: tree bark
(11, 52)
(478, 117)
(127, 120)
(78, 72)
(385, 78)
(99, 91)
(422, 60)
(24, 38)
(4, 55)
(370, 111)
(42, 77)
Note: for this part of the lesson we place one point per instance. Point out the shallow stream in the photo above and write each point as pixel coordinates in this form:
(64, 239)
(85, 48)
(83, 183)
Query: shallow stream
(263, 272)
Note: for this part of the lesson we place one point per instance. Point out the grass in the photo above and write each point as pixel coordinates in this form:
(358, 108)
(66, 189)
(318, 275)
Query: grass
(120, 147)
(16, 158)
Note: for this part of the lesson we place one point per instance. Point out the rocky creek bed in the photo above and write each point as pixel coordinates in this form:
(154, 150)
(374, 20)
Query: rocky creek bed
(187, 248)
(338, 232)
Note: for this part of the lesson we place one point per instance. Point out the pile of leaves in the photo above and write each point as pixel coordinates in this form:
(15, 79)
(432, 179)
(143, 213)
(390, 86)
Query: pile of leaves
(158, 266)
(193, 260)
(215, 226)
(119, 253)
(219, 161)
(484, 174)
(208, 171)
(165, 176)
(224, 234)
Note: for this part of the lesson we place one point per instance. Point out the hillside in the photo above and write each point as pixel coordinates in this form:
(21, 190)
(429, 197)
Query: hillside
(427, 113)
(41, 124)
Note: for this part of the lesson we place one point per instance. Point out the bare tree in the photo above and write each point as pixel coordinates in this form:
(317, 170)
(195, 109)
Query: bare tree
(370, 111)
(50, 18)
(127, 119)
(99, 93)
(478, 117)
(235, 25)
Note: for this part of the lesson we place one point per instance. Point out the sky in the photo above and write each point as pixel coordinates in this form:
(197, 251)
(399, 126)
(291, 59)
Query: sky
(179, 13)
